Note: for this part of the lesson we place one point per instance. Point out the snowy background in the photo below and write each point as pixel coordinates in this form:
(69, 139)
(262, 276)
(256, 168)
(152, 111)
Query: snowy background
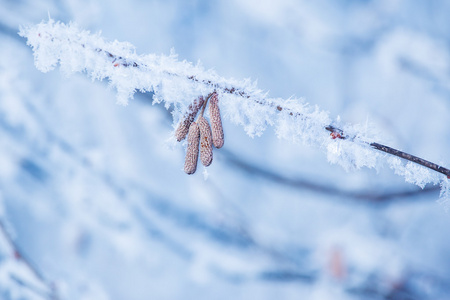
(94, 201)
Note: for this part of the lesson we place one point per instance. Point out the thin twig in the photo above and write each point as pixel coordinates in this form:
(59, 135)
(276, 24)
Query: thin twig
(338, 133)
(204, 104)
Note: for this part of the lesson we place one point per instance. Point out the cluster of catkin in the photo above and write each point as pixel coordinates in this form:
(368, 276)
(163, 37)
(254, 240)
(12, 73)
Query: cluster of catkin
(200, 134)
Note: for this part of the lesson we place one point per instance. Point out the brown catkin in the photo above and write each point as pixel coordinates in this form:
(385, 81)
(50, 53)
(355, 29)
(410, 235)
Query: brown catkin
(190, 163)
(206, 154)
(189, 117)
(216, 122)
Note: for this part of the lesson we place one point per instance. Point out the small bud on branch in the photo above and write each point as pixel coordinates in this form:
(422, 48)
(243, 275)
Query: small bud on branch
(190, 163)
(216, 121)
(206, 155)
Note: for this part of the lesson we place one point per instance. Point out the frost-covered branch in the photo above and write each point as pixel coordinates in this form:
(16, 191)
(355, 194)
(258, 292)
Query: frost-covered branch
(176, 83)
(340, 134)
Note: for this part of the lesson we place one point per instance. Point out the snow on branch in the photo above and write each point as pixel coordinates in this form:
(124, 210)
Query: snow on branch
(177, 83)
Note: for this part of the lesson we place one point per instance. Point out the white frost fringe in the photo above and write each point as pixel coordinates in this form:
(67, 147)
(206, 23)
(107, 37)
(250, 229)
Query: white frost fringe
(172, 83)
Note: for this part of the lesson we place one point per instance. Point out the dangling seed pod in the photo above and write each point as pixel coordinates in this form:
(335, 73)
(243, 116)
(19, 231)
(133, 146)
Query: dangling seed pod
(189, 117)
(190, 163)
(216, 122)
(206, 154)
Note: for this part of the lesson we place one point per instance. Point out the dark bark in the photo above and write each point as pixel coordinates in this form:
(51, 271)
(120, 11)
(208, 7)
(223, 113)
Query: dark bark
(338, 133)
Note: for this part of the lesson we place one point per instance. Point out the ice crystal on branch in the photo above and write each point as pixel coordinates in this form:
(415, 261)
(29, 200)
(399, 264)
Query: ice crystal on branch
(175, 83)
(445, 194)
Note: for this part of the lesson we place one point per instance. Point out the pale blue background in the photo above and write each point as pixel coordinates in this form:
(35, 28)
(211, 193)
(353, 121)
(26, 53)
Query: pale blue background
(98, 201)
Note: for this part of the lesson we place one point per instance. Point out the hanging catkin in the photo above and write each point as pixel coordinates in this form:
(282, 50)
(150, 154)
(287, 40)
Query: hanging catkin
(189, 117)
(190, 163)
(216, 122)
(206, 154)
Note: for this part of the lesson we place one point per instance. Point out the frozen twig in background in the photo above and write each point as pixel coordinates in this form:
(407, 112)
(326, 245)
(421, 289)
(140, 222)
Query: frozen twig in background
(32, 283)
(175, 83)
